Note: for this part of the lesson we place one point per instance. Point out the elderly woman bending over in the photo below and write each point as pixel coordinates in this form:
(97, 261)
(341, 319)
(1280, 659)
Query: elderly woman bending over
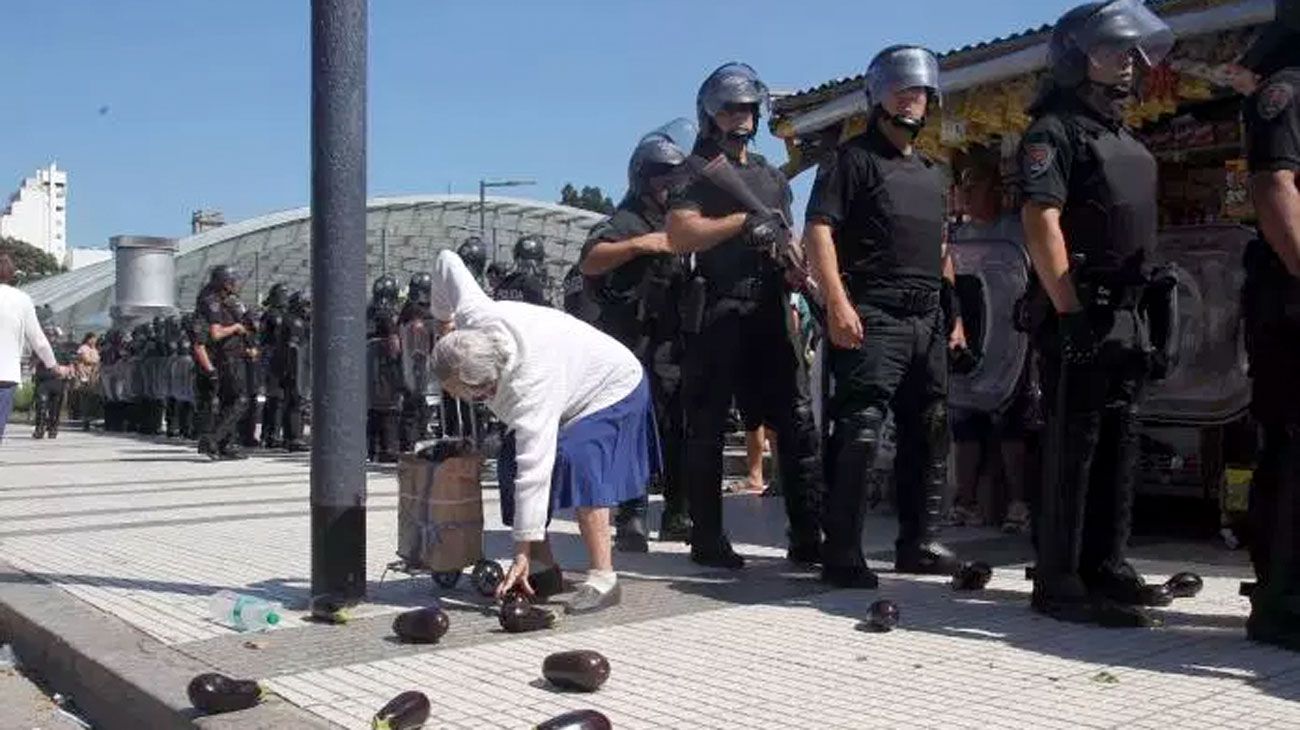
(578, 408)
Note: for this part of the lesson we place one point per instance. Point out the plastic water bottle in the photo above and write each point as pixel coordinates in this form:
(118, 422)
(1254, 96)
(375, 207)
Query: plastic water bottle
(245, 613)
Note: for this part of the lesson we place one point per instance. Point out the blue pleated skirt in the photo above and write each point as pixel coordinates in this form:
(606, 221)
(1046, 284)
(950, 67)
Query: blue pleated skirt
(601, 460)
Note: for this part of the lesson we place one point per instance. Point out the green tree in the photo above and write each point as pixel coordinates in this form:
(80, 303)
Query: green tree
(589, 198)
(31, 262)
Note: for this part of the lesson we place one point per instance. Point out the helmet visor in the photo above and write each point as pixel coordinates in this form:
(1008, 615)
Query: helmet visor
(734, 84)
(1122, 28)
(905, 68)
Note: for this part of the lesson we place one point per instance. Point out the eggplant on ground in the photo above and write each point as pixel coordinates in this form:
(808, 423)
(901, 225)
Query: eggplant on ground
(581, 670)
(421, 626)
(577, 720)
(407, 711)
(217, 693)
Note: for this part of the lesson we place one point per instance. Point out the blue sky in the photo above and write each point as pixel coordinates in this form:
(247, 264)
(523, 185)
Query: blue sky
(158, 108)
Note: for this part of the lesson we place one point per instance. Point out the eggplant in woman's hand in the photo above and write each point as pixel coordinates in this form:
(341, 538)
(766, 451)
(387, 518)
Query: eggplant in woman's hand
(216, 693)
(972, 576)
(580, 670)
(1184, 585)
(518, 617)
(407, 711)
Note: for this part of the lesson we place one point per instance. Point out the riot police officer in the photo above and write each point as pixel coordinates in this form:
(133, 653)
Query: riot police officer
(384, 371)
(737, 314)
(294, 355)
(51, 387)
(202, 352)
(183, 375)
(635, 282)
(474, 254)
(876, 232)
(417, 327)
(270, 331)
(527, 282)
(155, 370)
(141, 387)
(1090, 216)
(1272, 317)
(223, 315)
(108, 357)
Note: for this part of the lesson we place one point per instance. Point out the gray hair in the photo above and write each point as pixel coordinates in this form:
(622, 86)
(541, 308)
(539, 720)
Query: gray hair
(472, 357)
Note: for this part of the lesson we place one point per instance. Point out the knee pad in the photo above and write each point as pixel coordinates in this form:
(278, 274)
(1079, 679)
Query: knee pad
(934, 418)
(862, 426)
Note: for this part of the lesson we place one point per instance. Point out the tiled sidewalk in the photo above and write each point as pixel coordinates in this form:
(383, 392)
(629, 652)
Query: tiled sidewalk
(146, 531)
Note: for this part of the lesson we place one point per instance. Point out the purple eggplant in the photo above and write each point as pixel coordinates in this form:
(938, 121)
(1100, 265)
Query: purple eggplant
(421, 626)
(972, 576)
(518, 617)
(577, 720)
(216, 693)
(882, 616)
(407, 711)
(1184, 585)
(580, 670)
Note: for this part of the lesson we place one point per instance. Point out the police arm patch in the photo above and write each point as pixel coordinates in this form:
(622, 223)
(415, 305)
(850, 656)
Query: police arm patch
(1038, 158)
(1275, 98)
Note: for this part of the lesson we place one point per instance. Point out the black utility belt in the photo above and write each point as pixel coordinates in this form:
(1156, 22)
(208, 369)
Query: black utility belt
(905, 301)
(1095, 295)
(747, 290)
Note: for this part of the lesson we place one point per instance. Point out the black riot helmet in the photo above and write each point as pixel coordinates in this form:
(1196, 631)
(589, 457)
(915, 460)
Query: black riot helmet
(420, 288)
(903, 67)
(384, 289)
(1277, 44)
(731, 84)
(275, 298)
(223, 278)
(300, 303)
(1104, 33)
(657, 159)
(530, 255)
(474, 254)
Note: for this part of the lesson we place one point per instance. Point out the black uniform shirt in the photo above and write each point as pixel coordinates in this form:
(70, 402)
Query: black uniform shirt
(1101, 177)
(521, 286)
(619, 293)
(733, 260)
(225, 311)
(887, 211)
(1272, 117)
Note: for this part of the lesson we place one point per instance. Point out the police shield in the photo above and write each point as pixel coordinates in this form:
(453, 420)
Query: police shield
(107, 382)
(383, 391)
(417, 352)
(992, 275)
(1208, 382)
(182, 378)
(297, 367)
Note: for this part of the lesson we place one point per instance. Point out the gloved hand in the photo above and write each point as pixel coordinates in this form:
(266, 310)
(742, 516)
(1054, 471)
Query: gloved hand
(765, 230)
(1078, 343)
(962, 360)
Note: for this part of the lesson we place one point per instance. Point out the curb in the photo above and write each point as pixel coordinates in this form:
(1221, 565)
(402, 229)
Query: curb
(118, 676)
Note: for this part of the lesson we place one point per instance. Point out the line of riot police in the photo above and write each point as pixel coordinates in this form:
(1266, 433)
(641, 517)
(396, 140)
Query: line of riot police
(197, 376)
(694, 272)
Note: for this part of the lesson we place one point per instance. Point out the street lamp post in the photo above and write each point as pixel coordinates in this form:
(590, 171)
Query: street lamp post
(338, 277)
(483, 185)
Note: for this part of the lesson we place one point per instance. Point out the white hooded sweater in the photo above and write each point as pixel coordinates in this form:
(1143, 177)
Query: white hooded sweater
(559, 370)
